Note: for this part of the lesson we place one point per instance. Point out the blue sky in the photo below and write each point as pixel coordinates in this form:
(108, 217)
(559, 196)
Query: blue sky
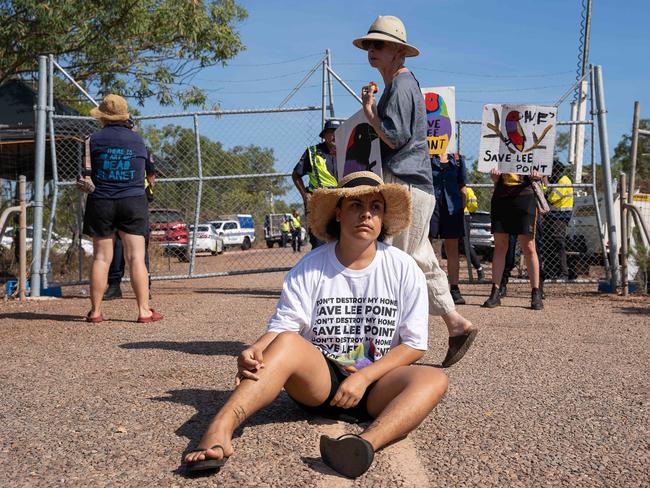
(490, 51)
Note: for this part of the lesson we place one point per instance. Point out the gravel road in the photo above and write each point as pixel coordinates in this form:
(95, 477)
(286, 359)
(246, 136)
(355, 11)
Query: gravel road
(552, 398)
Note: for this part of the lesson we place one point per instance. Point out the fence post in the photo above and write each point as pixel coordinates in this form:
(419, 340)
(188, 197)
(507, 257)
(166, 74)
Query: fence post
(323, 107)
(22, 229)
(601, 111)
(199, 194)
(330, 83)
(624, 236)
(39, 176)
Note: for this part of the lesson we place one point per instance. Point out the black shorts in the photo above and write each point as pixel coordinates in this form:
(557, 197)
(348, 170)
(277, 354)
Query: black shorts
(514, 214)
(445, 226)
(105, 216)
(356, 414)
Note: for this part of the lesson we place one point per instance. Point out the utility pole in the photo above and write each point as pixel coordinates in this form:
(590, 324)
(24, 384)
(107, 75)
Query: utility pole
(579, 104)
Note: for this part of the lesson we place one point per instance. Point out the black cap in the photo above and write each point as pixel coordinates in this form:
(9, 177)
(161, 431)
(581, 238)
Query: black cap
(329, 124)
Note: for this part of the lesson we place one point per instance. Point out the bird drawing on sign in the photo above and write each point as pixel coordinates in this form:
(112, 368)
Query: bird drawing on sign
(357, 155)
(514, 130)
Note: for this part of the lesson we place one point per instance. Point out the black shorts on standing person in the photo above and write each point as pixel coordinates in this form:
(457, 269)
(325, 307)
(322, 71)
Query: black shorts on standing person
(514, 212)
(105, 216)
(444, 225)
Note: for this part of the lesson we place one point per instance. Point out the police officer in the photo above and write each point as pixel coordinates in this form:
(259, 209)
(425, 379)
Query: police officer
(560, 199)
(319, 163)
(471, 206)
(295, 231)
(285, 228)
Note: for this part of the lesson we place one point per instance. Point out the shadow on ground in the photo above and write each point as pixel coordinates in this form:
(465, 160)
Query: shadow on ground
(206, 348)
(41, 316)
(242, 291)
(208, 402)
(636, 310)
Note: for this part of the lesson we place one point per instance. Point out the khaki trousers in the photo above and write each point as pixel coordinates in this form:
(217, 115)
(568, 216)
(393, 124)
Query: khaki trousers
(415, 242)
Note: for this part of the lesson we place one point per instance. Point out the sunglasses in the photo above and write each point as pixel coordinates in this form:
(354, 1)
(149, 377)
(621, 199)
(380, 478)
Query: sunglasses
(377, 45)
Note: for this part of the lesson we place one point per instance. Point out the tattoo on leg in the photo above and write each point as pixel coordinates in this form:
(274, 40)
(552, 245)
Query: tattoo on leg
(240, 414)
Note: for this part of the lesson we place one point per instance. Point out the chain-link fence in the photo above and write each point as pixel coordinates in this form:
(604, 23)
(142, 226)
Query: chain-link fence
(569, 244)
(220, 177)
(224, 182)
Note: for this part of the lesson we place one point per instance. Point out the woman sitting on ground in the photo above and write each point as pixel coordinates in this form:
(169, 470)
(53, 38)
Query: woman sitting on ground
(352, 318)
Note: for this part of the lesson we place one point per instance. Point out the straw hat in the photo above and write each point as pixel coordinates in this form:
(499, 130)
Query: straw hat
(389, 29)
(112, 109)
(397, 198)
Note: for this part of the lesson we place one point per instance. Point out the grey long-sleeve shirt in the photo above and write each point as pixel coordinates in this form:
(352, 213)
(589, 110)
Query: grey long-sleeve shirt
(404, 121)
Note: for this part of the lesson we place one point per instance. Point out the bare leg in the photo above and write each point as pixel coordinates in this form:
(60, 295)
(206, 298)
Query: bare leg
(102, 257)
(527, 244)
(290, 362)
(401, 400)
(499, 257)
(451, 247)
(134, 252)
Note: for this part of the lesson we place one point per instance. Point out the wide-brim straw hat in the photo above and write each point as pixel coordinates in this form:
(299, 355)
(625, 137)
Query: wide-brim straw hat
(112, 109)
(397, 207)
(388, 28)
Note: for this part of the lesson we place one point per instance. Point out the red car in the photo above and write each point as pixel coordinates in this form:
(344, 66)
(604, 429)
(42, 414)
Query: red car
(168, 229)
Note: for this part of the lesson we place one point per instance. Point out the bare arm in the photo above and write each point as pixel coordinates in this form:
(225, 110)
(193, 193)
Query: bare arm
(251, 359)
(355, 385)
(370, 111)
(297, 181)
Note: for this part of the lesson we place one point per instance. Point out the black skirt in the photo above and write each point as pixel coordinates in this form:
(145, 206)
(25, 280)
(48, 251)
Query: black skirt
(514, 214)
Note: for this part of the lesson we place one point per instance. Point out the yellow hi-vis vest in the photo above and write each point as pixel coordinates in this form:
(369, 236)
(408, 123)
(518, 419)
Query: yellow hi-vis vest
(472, 201)
(319, 177)
(284, 226)
(295, 222)
(561, 197)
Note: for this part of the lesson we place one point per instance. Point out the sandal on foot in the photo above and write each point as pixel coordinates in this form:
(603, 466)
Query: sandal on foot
(458, 346)
(207, 463)
(94, 320)
(154, 317)
(349, 455)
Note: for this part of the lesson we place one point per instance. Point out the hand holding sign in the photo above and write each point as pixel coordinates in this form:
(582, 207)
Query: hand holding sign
(517, 139)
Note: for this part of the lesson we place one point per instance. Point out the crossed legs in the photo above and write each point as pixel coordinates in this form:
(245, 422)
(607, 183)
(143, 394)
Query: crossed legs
(400, 400)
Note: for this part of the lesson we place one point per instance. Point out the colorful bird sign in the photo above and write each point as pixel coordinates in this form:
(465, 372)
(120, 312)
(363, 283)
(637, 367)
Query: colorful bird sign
(515, 131)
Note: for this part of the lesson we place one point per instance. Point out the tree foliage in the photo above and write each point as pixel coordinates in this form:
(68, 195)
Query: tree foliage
(246, 192)
(622, 159)
(138, 48)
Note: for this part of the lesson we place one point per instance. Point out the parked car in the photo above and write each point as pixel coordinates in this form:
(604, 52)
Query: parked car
(480, 233)
(169, 231)
(236, 230)
(272, 233)
(59, 244)
(207, 239)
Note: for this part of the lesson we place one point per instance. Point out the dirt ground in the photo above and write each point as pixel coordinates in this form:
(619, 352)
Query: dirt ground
(552, 398)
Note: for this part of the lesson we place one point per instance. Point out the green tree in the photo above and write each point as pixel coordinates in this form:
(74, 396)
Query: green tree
(247, 192)
(138, 48)
(622, 159)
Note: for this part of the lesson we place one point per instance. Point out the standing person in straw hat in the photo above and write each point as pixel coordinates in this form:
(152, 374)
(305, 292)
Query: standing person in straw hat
(115, 158)
(351, 320)
(399, 119)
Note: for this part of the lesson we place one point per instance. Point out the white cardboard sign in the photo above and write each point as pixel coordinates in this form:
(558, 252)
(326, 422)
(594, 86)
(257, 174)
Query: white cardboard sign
(517, 138)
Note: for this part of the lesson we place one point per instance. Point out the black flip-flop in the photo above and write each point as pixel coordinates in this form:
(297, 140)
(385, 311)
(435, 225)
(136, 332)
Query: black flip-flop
(207, 463)
(349, 455)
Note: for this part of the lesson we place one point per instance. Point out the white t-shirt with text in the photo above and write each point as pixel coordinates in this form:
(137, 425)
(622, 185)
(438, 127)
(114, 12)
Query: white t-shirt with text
(355, 316)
